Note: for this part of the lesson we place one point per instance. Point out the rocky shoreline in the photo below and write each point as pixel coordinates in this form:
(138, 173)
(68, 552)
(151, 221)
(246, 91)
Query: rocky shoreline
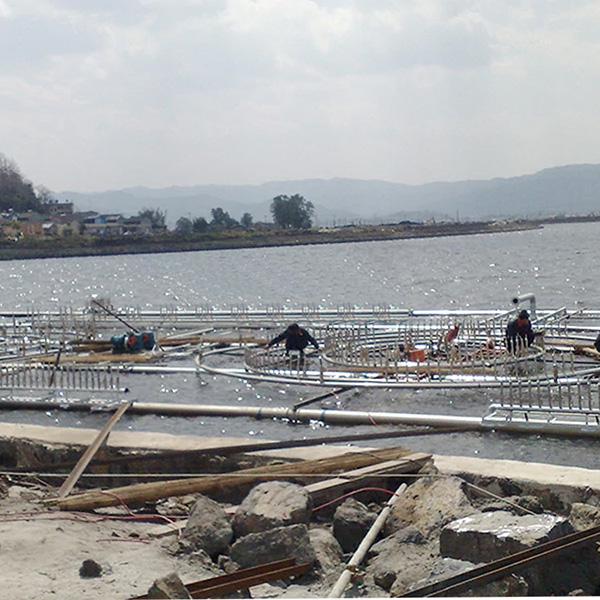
(436, 525)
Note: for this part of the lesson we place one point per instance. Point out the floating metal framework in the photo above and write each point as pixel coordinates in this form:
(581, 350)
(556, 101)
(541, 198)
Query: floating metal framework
(39, 376)
(417, 351)
(551, 386)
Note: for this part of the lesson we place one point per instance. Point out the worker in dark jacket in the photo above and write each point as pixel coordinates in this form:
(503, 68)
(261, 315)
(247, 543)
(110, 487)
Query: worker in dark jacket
(519, 333)
(296, 338)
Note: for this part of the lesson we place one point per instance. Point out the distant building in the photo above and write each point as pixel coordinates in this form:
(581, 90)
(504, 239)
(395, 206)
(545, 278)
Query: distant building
(111, 225)
(66, 225)
(138, 226)
(57, 208)
(31, 224)
(64, 222)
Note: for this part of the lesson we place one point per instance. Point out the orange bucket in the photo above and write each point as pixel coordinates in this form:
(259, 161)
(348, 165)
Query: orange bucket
(417, 355)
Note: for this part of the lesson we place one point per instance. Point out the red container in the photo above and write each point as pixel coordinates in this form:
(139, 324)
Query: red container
(417, 355)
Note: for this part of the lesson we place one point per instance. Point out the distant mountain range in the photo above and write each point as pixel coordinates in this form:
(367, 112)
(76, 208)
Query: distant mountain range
(568, 190)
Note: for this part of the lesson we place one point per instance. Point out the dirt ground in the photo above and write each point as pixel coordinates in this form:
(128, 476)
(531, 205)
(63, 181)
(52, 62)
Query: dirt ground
(43, 549)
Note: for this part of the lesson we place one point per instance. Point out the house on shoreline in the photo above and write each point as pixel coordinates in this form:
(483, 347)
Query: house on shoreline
(62, 221)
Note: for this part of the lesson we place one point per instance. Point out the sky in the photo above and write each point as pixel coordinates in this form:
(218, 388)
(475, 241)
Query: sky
(109, 94)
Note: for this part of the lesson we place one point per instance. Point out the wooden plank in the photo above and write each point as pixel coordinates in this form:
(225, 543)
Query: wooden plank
(87, 456)
(105, 357)
(329, 488)
(148, 492)
(366, 476)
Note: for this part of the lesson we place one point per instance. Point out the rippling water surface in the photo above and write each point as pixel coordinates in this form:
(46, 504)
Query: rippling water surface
(556, 263)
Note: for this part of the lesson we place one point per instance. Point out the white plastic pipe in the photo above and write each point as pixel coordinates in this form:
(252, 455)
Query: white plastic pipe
(338, 589)
(532, 303)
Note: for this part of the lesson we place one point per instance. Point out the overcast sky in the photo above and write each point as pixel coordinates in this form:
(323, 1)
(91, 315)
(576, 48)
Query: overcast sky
(105, 94)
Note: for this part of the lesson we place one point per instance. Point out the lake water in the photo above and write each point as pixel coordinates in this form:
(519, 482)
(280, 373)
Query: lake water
(556, 263)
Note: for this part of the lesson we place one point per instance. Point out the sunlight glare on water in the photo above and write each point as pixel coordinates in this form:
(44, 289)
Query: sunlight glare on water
(556, 263)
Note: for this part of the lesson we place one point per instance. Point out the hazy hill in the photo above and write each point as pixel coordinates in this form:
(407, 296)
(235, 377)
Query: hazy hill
(571, 189)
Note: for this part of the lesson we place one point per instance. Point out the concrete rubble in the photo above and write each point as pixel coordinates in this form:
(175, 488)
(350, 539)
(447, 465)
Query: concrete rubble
(440, 526)
(484, 537)
(438, 529)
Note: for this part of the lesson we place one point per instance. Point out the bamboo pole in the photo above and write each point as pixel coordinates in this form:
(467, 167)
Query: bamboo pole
(87, 456)
(148, 492)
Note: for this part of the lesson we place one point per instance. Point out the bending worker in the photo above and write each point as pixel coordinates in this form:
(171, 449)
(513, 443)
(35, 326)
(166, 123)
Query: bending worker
(519, 333)
(296, 338)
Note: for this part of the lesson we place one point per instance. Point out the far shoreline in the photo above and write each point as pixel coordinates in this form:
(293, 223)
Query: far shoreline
(269, 239)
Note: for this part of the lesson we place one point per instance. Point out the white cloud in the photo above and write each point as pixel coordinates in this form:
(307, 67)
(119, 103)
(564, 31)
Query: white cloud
(106, 94)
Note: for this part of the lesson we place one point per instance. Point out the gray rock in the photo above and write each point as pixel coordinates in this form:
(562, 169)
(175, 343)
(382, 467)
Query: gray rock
(442, 568)
(275, 544)
(90, 569)
(297, 591)
(18, 492)
(351, 522)
(170, 586)
(484, 537)
(401, 559)
(207, 529)
(326, 547)
(489, 536)
(399, 566)
(508, 587)
(394, 542)
(429, 504)
(450, 567)
(272, 504)
(514, 505)
(266, 590)
(584, 516)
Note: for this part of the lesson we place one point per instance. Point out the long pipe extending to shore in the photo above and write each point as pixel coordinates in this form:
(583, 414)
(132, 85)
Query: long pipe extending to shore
(342, 417)
(346, 417)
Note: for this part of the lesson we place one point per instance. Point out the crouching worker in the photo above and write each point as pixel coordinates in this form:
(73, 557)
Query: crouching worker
(519, 333)
(132, 342)
(296, 338)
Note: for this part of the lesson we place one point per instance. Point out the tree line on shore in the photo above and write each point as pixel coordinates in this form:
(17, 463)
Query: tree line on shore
(18, 195)
(288, 212)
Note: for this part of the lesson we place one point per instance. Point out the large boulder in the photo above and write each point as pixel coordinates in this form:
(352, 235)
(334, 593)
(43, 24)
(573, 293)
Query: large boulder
(484, 537)
(401, 559)
(208, 528)
(351, 522)
(272, 504)
(428, 504)
(490, 536)
(326, 547)
(275, 544)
